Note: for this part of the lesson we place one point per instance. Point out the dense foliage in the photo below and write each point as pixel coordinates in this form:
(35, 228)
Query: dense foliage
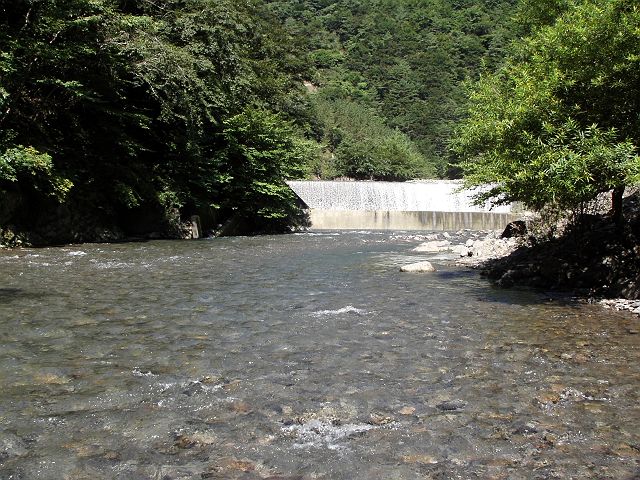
(124, 117)
(403, 62)
(560, 122)
(128, 110)
(360, 145)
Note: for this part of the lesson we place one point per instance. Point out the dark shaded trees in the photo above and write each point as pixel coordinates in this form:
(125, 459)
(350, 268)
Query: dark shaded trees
(127, 101)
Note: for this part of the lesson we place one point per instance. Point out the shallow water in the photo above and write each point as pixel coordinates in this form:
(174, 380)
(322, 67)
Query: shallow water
(304, 356)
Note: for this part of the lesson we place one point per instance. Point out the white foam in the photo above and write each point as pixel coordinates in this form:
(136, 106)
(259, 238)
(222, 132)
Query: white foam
(317, 433)
(422, 196)
(110, 264)
(137, 373)
(347, 309)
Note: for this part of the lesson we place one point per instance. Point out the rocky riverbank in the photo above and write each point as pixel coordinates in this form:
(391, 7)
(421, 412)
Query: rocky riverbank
(603, 271)
(596, 260)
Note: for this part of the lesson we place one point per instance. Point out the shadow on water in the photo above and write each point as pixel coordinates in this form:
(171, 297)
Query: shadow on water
(493, 294)
(516, 295)
(526, 296)
(10, 294)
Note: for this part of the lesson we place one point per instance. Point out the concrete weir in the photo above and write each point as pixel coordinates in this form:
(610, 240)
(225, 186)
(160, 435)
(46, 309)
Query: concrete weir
(419, 205)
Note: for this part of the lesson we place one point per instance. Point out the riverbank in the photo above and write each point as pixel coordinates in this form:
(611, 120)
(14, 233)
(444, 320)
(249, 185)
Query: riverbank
(526, 265)
(597, 261)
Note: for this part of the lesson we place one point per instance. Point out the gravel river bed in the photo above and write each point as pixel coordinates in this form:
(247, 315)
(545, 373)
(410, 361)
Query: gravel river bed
(307, 356)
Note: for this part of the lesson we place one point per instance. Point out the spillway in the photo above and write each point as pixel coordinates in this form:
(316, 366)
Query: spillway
(419, 205)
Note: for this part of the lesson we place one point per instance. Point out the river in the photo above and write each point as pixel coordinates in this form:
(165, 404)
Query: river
(304, 356)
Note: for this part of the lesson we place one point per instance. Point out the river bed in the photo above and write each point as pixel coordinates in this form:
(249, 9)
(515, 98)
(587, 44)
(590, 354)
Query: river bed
(305, 356)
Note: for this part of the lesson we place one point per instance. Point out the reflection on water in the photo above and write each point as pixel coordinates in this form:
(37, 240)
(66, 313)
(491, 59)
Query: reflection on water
(305, 356)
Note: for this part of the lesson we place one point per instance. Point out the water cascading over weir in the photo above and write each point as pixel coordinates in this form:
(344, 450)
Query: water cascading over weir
(417, 205)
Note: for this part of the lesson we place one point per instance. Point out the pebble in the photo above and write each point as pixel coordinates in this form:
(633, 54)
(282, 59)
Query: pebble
(422, 459)
(379, 419)
(545, 399)
(627, 450)
(112, 455)
(526, 428)
(193, 389)
(186, 441)
(50, 379)
(241, 408)
(622, 304)
(11, 446)
(451, 405)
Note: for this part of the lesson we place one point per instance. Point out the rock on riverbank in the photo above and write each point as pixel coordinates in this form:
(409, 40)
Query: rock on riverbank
(594, 260)
(597, 259)
(419, 267)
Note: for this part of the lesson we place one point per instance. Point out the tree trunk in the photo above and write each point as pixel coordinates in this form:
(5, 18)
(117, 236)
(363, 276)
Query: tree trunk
(616, 205)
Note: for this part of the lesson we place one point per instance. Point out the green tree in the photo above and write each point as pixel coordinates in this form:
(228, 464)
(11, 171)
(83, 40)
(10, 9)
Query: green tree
(364, 147)
(26, 168)
(560, 123)
(28, 182)
(262, 151)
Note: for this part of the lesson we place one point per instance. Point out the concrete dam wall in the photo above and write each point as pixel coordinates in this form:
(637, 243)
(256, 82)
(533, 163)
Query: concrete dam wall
(423, 205)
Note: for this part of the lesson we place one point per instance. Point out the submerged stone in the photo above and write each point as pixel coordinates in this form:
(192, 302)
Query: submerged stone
(419, 458)
(407, 411)
(451, 405)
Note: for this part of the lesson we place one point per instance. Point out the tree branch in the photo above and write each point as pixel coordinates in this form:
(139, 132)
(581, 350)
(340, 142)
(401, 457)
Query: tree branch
(26, 18)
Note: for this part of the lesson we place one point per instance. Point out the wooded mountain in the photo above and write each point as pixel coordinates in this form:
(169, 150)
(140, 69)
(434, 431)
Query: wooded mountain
(403, 65)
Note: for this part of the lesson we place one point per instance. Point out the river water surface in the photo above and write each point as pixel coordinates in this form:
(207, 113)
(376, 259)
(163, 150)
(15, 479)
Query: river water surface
(303, 356)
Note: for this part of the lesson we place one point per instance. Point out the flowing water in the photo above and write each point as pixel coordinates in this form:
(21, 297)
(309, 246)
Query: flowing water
(304, 356)
(415, 196)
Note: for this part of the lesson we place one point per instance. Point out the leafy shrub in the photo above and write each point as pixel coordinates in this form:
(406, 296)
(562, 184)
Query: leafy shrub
(261, 151)
(30, 169)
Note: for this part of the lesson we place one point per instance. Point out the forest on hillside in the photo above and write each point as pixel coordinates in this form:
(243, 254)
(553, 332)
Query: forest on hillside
(391, 76)
(122, 118)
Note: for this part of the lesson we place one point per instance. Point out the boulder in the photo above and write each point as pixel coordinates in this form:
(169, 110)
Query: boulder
(517, 228)
(418, 267)
(461, 250)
